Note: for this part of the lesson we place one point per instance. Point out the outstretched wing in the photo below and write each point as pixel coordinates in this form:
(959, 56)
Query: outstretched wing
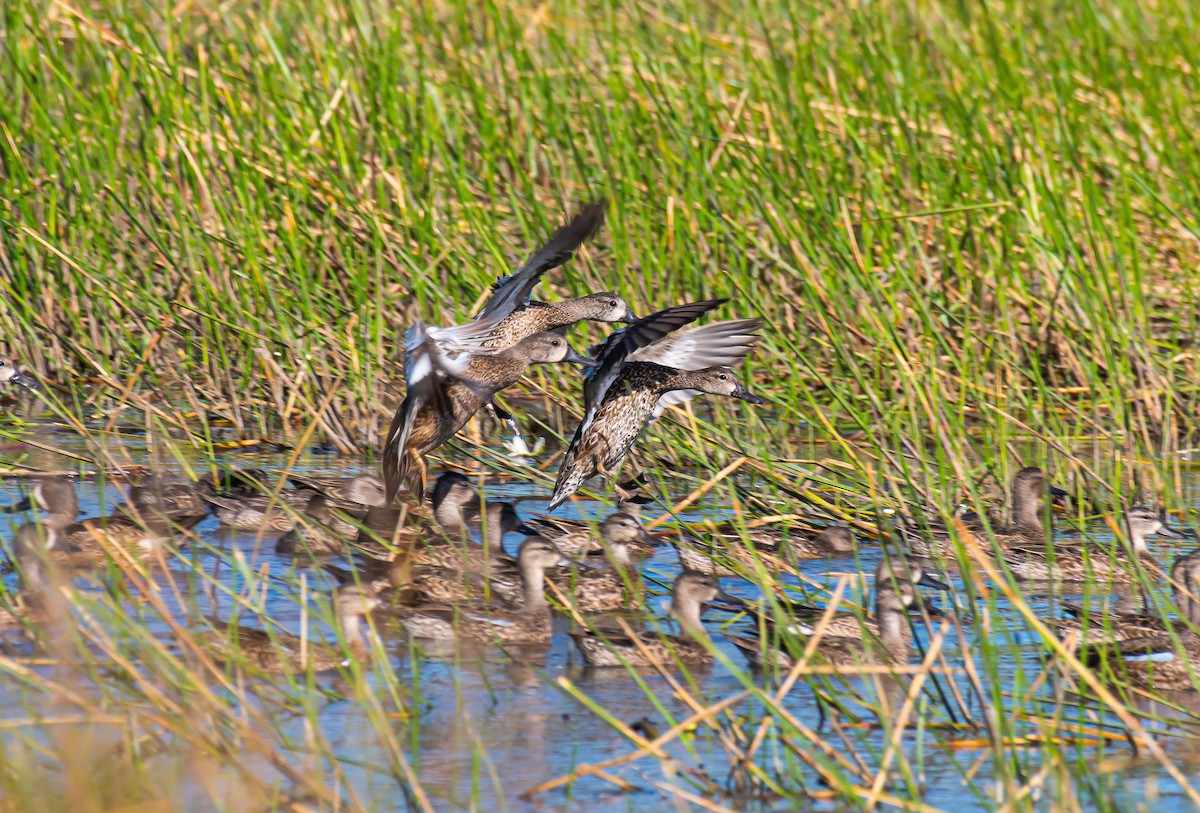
(721, 344)
(623, 345)
(427, 370)
(513, 292)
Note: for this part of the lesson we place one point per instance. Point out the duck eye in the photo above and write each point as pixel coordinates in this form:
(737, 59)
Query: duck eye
(554, 343)
(724, 377)
(612, 302)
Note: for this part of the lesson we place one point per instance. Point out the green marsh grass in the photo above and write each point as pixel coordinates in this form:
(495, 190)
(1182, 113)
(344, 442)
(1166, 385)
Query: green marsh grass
(969, 229)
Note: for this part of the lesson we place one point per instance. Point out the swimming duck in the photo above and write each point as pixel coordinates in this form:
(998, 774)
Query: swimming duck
(691, 647)
(87, 543)
(29, 544)
(848, 639)
(316, 531)
(359, 490)
(640, 371)
(445, 391)
(502, 519)
(164, 501)
(1167, 661)
(528, 625)
(282, 653)
(11, 374)
(772, 545)
(615, 585)
(1028, 491)
(1098, 625)
(617, 528)
(1073, 564)
(247, 510)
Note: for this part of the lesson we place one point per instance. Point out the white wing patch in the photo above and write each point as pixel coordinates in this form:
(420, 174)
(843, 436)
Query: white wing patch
(672, 398)
(721, 344)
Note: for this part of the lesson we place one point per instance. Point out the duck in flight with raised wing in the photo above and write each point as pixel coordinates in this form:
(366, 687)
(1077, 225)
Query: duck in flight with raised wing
(511, 314)
(643, 369)
(445, 390)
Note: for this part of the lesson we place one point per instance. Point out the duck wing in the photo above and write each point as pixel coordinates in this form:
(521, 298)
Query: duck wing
(429, 366)
(721, 344)
(513, 292)
(622, 345)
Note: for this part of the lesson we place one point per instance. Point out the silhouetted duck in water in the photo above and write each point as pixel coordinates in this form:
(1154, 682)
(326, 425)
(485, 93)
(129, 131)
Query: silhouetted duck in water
(643, 369)
(848, 640)
(282, 653)
(774, 547)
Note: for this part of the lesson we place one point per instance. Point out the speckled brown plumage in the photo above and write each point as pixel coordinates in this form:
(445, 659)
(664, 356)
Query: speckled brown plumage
(774, 548)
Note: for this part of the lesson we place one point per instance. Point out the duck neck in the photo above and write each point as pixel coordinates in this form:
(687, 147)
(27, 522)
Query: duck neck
(534, 579)
(494, 535)
(618, 554)
(677, 380)
(1137, 541)
(353, 631)
(690, 625)
(1027, 513)
(894, 632)
(57, 521)
(449, 515)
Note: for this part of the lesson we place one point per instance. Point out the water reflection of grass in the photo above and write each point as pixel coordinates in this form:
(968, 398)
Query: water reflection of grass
(968, 230)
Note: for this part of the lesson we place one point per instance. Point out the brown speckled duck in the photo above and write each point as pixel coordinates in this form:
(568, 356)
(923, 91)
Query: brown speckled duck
(1089, 562)
(445, 391)
(690, 648)
(1028, 491)
(773, 547)
(253, 511)
(452, 372)
(1166, 661)
(643, 369)
(848, 640)
(510, 315)
(30, 543)
(1099, 625)
(282, 653)
(619, 528)
(489, 624)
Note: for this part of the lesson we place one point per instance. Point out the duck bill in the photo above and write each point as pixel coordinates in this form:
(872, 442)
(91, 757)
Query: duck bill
(1170, 533)
(1059, 493)
(729, 602)
(747, 396)
(575, 357)
(17, 507)
(629, 317)
(927, 580)
(527, 530)
(28, 382)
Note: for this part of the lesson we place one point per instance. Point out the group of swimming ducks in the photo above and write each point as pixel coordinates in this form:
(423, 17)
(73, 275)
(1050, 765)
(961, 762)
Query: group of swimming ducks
(419, 562)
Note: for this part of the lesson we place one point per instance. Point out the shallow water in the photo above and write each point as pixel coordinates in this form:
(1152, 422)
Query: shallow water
(491, 727)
